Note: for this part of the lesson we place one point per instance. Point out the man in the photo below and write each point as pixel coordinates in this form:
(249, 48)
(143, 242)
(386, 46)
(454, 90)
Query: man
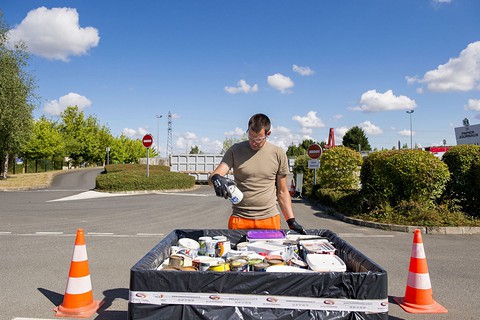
(260, 170)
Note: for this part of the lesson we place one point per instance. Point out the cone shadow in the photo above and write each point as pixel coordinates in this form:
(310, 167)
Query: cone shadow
(54, 297)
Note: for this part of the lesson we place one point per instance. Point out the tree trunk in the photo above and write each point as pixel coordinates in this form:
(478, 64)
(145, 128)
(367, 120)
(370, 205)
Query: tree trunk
(5, 167)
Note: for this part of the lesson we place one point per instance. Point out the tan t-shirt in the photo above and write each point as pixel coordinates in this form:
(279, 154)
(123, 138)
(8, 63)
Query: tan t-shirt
(255, 173)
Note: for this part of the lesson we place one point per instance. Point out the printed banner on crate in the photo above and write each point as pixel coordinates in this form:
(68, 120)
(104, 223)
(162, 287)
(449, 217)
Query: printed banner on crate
(258, 301)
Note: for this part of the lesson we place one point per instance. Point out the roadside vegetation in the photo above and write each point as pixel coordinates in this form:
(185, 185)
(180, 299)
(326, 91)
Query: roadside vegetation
(406, 187)
(133, 177)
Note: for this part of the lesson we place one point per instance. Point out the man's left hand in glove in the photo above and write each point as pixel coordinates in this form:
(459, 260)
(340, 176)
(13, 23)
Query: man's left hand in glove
(295, 226)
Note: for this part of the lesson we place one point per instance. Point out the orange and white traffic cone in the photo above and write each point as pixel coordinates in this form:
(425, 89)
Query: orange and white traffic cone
(78, 299)
(292, 189)
(418, 294)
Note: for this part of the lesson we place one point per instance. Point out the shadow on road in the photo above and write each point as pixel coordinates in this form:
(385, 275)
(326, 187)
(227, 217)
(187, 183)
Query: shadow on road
(55, 298)
(109, 296)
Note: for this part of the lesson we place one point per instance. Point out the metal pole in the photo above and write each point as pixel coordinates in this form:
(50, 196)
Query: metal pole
(411, 132)
(158, 134)
(148, 162)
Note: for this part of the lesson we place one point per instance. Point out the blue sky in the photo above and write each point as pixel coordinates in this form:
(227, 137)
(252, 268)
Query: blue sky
(310, 65)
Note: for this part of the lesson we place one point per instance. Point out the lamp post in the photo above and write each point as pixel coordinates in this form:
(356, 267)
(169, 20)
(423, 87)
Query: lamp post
(411, 132)
(158, 133)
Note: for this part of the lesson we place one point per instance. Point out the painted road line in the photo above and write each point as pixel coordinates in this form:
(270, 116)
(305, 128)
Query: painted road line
(41, 233)
(184, 194)
(29, 319)
(150, 234)
(100, 233)
(361, 235)
(4, 232)
(90, 195)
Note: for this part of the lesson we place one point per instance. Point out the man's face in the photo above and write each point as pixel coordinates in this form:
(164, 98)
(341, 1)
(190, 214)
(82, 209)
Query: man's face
(257, 139)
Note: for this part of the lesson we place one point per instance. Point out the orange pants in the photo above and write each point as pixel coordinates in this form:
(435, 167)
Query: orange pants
(243, 223)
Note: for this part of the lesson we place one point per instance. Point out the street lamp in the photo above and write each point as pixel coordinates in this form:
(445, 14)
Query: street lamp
(158, 134)
(411, 132)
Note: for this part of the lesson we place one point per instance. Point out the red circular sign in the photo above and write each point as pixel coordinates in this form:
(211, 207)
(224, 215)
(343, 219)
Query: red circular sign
(147, 140)
(314, 151)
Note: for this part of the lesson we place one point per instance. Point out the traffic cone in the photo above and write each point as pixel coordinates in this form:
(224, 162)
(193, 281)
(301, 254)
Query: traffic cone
(78, 299)
(292, 189)
(418, 294)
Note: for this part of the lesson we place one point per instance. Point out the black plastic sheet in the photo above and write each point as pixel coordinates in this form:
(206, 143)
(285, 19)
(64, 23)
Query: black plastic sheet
(364, 280)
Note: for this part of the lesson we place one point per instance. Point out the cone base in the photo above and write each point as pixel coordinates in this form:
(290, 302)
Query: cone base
(84, 312)
(418, 308)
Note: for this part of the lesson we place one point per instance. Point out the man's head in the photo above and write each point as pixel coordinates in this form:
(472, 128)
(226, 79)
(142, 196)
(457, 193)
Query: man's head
(258, 130)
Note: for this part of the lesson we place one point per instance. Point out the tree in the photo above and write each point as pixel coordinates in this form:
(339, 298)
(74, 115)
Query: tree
(355, 137)
(195, 150)
(46, 141)
(228, 142)
(16, 98)
(74, 134)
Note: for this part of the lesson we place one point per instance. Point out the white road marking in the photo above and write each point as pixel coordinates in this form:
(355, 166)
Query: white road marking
(361, 235)
(48, 232)
(90, 195)
(90, 234)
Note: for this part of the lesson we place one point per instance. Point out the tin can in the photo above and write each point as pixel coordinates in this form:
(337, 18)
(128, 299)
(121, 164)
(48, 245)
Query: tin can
(239, 265)
(191, 268)
(210, 248)
(189, 247)
(276, 262)
(202, 241)
(222, 247)
(221, 267)
(242, 246)
(203, 263)
(260, 267)
(252, 262)
(175, 261)
(174, 249)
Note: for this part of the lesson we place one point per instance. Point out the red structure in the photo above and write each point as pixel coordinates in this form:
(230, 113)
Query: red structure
(331, 139)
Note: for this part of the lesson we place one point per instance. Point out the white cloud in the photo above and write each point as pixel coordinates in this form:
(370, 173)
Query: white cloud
(370, 128)
(54, 33)
(134, 133)
(458, 74)
(406, 132)
(310, 120)
(441, 1)
(338, 116)
(280, 82)
(304, 71)
(238, 132)
(339, 133)
(373, 101)
(189, 136)
(242, 86)
(55, 107)
(473, 104)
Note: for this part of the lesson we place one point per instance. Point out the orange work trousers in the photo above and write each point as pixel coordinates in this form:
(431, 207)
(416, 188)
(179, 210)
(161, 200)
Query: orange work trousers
(243, 223)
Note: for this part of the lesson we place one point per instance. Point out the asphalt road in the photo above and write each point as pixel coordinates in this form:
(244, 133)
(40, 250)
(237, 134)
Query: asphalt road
(38, 228)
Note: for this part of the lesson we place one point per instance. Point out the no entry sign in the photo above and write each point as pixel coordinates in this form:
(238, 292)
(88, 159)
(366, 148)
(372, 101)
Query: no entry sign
(147, 140)
(314, 151)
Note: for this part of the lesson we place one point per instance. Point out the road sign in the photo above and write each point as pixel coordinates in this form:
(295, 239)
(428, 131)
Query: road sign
(314, 164)
(147, 140)
(314, 151)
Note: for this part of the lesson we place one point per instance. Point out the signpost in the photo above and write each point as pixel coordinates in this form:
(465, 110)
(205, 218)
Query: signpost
(147, 142)
(314, 152)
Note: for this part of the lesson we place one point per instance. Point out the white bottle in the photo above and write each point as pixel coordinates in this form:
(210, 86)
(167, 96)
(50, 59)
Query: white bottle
(237, 195)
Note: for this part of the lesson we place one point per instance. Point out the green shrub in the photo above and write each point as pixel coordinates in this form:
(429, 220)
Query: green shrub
(463, 162)
(403, 175)
(132, 177)
(340, 169)
(301, 166)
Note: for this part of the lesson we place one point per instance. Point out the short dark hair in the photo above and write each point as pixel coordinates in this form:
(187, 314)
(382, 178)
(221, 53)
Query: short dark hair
(258, 122)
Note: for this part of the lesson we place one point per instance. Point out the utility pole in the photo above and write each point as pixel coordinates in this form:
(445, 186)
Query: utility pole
(158, 134)
(411, 132)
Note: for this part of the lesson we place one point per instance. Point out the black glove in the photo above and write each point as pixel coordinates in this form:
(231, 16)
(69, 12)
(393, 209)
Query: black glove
(295, 226)
(221, 186)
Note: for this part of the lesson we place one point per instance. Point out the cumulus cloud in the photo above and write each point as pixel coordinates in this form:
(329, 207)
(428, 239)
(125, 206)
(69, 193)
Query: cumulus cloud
(280, 82)
(238, 132)
(458, 74)
(406, 132)
(134, 133)
(373, 101)
(473, 104)
(189, 139)
(55, 107)
(310, 120)
(54, 34)
(304, 71)
(242, 87)
(370, 128)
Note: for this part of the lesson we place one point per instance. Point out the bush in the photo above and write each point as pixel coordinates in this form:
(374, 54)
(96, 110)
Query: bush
(301, 166)
(390, 177)
(131, 177)
(340, 169)
(463, 162)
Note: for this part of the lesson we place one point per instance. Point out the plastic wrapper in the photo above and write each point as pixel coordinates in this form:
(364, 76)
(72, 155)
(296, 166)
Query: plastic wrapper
(161, 294)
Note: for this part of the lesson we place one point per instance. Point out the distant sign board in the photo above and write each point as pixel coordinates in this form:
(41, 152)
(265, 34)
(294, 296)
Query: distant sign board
(314, 164)
(314, 151)
(468, 134)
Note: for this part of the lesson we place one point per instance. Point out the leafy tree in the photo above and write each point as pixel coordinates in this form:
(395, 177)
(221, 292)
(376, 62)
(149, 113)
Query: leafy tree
(195, 150)
(126, 150)
(46, 141)
(228, 142)
(354, 137)
(73, 129)
(16, 98)
(340, 169)
(294, 151)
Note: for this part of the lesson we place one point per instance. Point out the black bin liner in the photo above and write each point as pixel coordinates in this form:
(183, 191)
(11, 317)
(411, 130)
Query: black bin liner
(363, 280)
